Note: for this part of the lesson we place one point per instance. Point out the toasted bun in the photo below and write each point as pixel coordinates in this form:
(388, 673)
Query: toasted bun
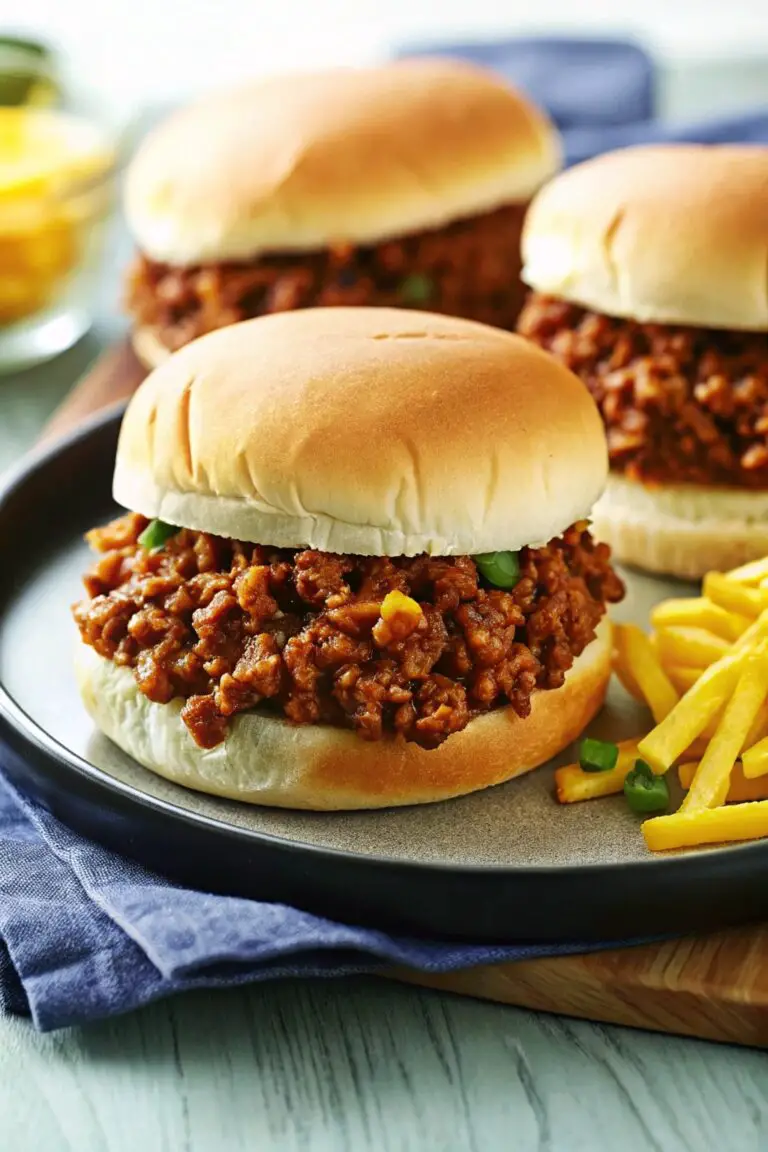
(269, 761)
(367, 430)
(301, 161)
(672, 234)
(682, 530)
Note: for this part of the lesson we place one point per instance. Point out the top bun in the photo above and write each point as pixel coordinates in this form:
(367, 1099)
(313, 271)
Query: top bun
(365, 430)
(299, 162)
(667, 234)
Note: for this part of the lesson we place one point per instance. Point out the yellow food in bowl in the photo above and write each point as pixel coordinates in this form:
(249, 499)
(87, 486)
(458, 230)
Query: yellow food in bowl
(54, 189)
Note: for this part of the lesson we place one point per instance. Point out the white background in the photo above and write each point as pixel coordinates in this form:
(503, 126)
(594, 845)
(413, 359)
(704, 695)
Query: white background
(125, 54)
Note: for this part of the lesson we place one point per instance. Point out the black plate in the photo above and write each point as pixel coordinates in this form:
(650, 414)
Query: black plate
(507, 864)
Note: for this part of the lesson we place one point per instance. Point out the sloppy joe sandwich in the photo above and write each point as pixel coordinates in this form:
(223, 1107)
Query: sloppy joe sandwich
(649, 273)
(356, 570)
(403, 185)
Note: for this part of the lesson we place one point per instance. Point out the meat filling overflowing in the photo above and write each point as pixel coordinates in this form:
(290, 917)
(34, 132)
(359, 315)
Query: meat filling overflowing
(412, 645)
(470, 268)
(680, 404)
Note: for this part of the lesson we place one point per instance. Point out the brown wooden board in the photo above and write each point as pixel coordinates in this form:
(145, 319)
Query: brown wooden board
(714, 987)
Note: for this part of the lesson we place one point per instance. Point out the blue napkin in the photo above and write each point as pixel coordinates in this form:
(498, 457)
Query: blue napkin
(601, 93)
(85, 934)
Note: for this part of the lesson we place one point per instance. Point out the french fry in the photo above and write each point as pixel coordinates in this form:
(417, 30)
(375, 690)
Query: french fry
(664, 745)
(756, 731)
(710, 784)
(759, 727)
(710, 728)
(703, 672)
(658, 691)
(623, 670)
(683, 677)
(735, 597)
(757, 629)
(699, 612)
(686, 772)
(572, 783)
(733, 628)
(753, 573)
(696, 647)
(695, 751)
(707, 826)
(740, 788)
(755, 760)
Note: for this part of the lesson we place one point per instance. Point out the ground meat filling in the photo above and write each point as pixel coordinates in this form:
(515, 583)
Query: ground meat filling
(469, 268)
(680, 405)
(229, 626)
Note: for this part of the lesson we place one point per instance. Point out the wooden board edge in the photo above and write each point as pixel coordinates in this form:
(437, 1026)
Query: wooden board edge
(712, 988)
(672, 1012)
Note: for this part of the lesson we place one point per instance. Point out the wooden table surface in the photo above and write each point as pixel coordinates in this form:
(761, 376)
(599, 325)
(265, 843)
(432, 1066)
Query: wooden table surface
(360, 1065)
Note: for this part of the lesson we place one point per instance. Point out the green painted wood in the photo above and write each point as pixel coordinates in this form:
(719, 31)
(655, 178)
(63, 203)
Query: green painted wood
(366, 1066)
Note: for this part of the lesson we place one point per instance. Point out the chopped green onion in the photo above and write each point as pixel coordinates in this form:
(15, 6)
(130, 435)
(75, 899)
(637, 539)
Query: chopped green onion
(416, 289)
(644, 790)
(155, 535)
(598, 755)
(501, 569)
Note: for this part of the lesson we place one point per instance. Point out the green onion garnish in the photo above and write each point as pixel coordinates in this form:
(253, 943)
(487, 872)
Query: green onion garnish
(598, 755)
(156, 533)
(501, 569)
(644, 790)
(416, 289)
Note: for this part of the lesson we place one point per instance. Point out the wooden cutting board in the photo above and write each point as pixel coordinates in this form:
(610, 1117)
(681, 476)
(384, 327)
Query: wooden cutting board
(714, 987)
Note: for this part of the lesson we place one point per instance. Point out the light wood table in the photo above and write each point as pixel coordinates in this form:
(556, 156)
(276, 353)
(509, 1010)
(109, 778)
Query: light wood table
(360, 1065)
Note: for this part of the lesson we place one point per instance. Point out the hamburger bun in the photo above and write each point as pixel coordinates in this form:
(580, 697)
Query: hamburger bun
(368, 431)
(682, 530)
(668, 234)
(266, 760)
(299, 162)
(373, 431)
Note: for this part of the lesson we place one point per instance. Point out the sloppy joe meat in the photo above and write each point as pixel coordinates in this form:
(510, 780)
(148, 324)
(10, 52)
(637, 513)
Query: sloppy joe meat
(230, 626)
(680, 404)
(469, 268)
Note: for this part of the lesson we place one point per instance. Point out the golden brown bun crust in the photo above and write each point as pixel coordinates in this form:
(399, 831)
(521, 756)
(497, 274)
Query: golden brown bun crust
(376, 431)
(299, 162)
(270, 762)
(683, 530)
(672, 233)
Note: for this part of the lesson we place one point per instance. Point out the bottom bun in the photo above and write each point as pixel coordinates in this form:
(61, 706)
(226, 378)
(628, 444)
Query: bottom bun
(682, 530)
(149, 348)
(265, 760)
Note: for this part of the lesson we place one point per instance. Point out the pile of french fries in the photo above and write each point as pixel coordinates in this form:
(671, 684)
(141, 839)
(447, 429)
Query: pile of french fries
(703, 673)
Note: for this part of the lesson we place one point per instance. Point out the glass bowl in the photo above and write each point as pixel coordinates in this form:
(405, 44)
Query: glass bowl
(57, 192)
